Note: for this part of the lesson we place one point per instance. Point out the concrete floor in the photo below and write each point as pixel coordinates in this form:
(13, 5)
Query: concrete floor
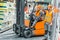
(10, 35)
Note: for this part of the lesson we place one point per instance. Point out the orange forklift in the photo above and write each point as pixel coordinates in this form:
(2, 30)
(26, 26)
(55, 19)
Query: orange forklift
(32, 26)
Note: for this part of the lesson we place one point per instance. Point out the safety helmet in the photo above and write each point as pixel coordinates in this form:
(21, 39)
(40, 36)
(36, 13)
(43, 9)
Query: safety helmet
(38, 6)
(49, 6)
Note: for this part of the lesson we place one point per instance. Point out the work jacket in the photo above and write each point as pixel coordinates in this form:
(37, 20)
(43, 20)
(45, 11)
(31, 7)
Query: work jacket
(49, 16)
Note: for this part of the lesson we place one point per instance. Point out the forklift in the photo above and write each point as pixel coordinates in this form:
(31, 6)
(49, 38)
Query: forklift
(36, 27)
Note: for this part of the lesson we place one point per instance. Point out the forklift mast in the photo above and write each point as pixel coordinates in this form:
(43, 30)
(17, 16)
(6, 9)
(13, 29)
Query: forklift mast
(20, 12)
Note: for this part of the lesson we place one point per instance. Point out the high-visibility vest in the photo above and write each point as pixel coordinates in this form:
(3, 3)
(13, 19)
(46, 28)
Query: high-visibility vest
(48, 17)
(37, 13)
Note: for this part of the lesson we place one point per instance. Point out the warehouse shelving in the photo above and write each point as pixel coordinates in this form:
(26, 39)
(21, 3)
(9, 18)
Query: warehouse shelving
(2, 9)
(7, 13)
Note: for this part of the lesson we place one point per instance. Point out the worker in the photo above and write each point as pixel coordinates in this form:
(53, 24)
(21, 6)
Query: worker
(38, 8)
(40, 11)
(48, 19)
(49, 15)
(56, 10)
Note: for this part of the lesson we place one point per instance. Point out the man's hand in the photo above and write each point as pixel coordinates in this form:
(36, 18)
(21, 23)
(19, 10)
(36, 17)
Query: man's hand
(51, 23)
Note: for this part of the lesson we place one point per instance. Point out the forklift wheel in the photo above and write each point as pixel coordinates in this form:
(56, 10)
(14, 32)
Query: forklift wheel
(14, 27)
(27, 33)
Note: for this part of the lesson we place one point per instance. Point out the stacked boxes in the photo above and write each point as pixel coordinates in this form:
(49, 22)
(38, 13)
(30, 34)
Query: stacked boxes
(2, 9)
(7, 15)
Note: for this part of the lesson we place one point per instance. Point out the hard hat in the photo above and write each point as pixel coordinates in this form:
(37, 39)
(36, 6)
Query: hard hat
(49, 6)
(39, 6)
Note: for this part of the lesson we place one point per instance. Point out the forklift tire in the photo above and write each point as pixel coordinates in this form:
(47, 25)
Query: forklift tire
(14, 27)
(27, 33)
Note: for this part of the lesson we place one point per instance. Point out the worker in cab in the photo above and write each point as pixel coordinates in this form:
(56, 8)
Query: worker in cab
(38, 8)
(40, 12)
(38, 23)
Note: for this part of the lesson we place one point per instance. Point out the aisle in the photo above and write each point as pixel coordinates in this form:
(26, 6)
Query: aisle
(10, 35)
